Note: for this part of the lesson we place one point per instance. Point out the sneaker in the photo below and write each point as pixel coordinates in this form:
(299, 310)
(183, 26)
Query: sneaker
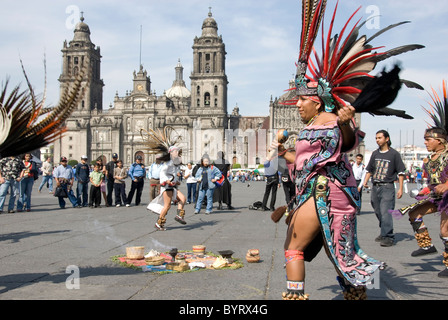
(128, 205)
(423, 251)
(159, 227)
(180, 219)
(11, 211)
(207, 212)
(387, 242)
(196, 212)
(118, 205)
(379, 238)
(443, 274)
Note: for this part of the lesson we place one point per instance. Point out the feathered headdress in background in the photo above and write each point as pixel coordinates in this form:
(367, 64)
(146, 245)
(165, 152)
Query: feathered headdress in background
(341, 72)
(438, 112)
(26, 124)
(161, 141)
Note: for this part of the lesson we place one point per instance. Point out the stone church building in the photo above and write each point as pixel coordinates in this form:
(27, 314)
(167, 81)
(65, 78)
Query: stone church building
(199, 115)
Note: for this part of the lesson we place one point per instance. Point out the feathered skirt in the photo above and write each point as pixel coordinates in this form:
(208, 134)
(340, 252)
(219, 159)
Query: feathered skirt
(336, 211)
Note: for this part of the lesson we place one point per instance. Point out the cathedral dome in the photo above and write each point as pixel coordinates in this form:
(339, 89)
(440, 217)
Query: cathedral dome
(209, 26)
(82, 31)
(178, 89)
(178, 92)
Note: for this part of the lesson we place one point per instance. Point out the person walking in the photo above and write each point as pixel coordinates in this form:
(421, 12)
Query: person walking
(154, 178)
(207, 175)
(47, 175)
(120, 174)
(110, 181)
(224, 193)
(272, 183)
(29, 174)
(191, 183)
(100, 161)
(137, 174)
(11, 171)
(384, 166)
(64, 178)
(359, 172)
(82, 176)
(289, 188)
(96, 177)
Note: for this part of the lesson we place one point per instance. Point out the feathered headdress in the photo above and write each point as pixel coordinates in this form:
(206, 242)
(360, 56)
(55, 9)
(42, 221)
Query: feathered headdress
(341, 71)
(161, 141)
(438, 112)
(26, 124)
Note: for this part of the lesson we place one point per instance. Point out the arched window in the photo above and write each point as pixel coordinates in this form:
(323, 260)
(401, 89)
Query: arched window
(207, 99)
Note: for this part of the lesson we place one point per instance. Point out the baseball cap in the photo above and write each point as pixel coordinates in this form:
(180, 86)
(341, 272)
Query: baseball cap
(63, 159)
(115, 155)
(84, 157)
(138, 158)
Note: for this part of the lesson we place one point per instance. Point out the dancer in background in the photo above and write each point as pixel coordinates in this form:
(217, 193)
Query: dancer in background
(433, 198)
(165, 143)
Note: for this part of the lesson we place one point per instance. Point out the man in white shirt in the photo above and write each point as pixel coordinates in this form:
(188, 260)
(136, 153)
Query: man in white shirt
(359, 171)
(47, 175)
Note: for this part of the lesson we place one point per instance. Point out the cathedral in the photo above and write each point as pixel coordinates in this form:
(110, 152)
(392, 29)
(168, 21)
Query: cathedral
(199, 115)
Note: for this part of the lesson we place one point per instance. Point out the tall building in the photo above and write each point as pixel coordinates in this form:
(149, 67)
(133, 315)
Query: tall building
(200, 116)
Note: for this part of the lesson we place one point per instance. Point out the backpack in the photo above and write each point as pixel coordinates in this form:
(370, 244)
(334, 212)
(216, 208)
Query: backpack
(257, 205)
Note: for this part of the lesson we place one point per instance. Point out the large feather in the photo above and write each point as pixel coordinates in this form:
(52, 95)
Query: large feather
(438, 109)
(379, 93)
(159, 141)
(32, 125)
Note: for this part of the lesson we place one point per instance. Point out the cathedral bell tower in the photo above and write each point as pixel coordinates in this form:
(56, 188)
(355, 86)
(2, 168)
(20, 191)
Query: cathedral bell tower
(78, 54)
(208, 78)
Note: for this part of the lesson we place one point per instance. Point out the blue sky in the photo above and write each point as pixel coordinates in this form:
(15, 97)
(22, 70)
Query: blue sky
(261, 39)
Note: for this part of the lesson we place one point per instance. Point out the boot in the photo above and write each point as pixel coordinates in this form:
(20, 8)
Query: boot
(352, 293)
(444, 273)
(160, 224)
(180, 216)
(425, 243)
(295, 291)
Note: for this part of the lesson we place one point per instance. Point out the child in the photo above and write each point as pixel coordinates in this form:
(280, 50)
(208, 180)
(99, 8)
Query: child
(120, 174)
(96, 178)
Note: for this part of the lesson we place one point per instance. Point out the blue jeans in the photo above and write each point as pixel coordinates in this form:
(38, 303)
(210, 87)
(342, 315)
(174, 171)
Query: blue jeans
(82, 193)
(202, 194)
(191, 192)
(49, 180)
(26, 186)
(13, 186)
(71, 197)
(383, 200)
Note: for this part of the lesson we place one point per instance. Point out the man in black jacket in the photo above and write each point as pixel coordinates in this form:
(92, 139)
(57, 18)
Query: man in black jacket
(82, 175)
(110, 167)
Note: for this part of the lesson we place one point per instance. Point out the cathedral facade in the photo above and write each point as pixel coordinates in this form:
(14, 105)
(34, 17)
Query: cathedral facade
(200, 115)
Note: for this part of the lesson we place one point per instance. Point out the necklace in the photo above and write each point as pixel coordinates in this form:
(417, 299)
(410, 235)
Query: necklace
(313, 119)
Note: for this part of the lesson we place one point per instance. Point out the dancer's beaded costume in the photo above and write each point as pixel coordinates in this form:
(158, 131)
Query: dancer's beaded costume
(337, 77)
(437, 172)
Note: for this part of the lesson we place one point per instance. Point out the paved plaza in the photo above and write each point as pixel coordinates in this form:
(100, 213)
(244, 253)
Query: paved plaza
(42, 250)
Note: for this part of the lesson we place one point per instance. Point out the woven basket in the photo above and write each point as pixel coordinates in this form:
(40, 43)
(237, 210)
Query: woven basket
(199, 249)
(155, 261)
(253, 255)
(135, 252)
